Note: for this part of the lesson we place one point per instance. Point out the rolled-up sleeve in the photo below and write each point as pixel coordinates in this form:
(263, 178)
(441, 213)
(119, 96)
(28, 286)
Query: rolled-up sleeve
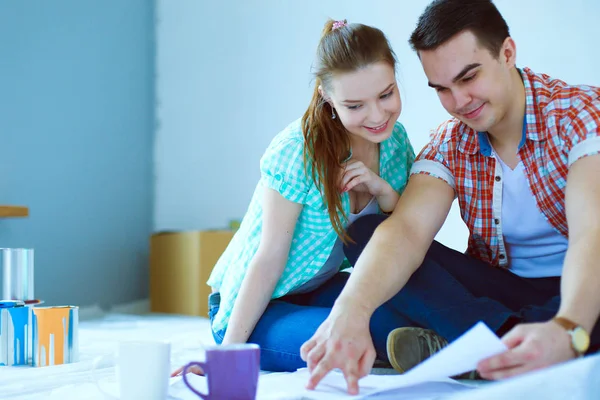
(432, 162)
(582, 133)
(282, 169)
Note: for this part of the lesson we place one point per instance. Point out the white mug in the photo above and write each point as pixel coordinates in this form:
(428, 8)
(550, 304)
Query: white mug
(142, 370)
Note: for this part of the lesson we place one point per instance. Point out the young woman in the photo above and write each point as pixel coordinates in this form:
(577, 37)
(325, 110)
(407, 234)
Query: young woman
(345, 158)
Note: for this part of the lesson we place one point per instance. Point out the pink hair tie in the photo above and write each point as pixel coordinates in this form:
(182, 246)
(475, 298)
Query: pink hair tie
(338, 24)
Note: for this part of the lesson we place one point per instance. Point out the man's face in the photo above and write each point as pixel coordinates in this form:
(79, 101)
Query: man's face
(472, 84)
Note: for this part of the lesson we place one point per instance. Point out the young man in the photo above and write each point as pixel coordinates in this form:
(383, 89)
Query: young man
(522, 155)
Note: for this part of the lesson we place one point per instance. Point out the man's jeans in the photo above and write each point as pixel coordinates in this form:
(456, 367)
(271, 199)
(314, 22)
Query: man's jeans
(451, 291)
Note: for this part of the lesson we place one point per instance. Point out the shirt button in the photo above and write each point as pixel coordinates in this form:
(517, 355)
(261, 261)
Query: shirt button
(278, 177)
(502, 256)
(497, 221)
(498, 179)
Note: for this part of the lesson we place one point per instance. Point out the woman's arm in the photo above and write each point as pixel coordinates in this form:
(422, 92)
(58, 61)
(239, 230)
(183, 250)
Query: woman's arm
(388, 198)
(279, 222)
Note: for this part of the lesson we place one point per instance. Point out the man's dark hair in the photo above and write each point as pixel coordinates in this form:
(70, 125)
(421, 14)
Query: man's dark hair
(443, 19)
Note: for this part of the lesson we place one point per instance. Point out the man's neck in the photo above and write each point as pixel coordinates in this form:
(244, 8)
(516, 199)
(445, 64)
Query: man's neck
(507, 134)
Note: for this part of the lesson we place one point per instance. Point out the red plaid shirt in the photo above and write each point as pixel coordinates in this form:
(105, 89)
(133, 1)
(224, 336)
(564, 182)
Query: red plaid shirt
(562, 125)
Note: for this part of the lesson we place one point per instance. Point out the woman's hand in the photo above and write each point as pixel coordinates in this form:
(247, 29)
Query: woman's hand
(361, 178)
(194, 369)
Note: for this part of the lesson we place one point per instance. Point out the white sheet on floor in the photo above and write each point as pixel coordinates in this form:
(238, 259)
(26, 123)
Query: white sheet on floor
(575, 380)
(290, 386)
(462, 355)
(99, 338)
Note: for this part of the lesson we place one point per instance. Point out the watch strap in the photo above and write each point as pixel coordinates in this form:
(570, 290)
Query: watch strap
(565, 323)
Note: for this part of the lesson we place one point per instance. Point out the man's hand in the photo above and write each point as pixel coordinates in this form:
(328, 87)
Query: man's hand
(530, 347)
(343, 341)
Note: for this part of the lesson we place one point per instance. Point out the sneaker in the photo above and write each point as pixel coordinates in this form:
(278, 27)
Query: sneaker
(407, 347)
(469, 376)
(382, 364)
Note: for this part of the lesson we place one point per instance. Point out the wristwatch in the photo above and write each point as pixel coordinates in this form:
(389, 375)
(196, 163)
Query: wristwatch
(580, 339)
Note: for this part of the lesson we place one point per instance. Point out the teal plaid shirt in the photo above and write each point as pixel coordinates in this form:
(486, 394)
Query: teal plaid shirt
(282, 169)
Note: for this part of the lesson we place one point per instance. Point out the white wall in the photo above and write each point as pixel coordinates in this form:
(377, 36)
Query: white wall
(231, 74)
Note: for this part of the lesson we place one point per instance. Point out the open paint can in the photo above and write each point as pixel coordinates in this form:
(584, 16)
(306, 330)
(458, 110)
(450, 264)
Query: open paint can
(17, 274)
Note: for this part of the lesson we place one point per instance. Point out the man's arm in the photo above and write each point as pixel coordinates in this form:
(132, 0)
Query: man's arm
(399, 244)
(395, 251)
(580, 285)
(534, 346)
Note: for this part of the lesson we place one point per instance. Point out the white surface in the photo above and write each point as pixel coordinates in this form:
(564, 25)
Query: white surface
(100, 338)
(187, 335)
(460, 356)
(99, 341)
(575, 380)
(285, 386)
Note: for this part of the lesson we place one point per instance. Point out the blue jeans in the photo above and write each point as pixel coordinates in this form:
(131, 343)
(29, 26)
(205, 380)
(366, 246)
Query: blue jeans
(452, 291)
(449, 293)
(291, 320)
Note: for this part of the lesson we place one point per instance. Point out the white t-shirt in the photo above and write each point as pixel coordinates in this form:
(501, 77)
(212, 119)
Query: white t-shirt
(534, 248)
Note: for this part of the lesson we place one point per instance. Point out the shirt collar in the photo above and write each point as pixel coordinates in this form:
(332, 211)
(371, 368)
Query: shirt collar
(485, 147)
(387, 148)
(534, 122)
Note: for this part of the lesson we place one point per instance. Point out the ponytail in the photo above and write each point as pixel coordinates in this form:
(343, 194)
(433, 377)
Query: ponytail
(326, 146)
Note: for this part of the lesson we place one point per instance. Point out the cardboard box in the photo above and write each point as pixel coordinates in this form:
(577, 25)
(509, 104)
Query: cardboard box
(180, 264)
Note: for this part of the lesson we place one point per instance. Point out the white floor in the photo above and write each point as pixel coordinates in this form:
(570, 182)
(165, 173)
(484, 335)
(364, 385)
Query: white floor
(98, 337)
(100, 332)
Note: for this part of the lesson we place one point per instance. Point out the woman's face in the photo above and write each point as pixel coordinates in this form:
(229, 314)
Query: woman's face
(366, 101)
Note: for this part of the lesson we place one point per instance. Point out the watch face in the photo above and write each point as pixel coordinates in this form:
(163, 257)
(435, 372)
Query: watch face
(581, 340)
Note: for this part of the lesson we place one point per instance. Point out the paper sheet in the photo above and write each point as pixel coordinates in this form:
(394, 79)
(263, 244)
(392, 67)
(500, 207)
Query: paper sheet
(432, 376)
(275, 387)
(460, 356)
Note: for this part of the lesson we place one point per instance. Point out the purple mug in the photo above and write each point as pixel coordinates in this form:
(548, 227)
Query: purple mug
(231, 372)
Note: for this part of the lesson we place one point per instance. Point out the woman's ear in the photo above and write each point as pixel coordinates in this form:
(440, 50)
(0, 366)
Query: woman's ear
(324, 96)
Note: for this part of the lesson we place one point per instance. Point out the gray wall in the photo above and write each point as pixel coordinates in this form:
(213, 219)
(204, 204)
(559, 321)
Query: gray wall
(76, 132)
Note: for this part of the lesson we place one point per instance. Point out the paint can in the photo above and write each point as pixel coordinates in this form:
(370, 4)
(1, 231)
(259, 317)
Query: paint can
(17, 273)
(15, 333)
(55, 332)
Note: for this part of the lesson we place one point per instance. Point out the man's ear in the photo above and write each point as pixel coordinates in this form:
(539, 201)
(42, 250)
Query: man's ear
(508, 52)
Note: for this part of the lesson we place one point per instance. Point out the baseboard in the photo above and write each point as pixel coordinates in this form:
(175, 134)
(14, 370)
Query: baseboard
(91, 312)
(136, 307)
